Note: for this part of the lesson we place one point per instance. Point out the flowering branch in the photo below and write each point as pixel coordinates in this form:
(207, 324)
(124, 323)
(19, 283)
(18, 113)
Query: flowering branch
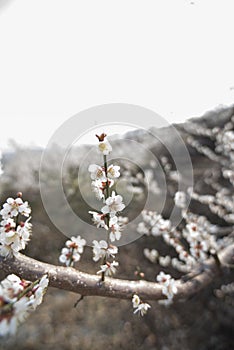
(73, 280)
(103, 178)
(202, 248)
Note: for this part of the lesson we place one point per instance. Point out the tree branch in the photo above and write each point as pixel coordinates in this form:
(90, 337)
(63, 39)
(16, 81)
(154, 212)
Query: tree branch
(70, 279)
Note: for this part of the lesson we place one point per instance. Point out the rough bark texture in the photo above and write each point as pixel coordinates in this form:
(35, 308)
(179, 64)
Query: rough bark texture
(86, 284)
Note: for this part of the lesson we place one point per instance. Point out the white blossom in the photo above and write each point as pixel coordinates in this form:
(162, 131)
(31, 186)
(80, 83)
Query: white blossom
(142, 228)
(139, 306)
(108, 268)
(169, 288)
(152, 254)
(135, 300)
(115, 228)
(113, 171)
(39, 291)
(105, 147)
(153, 223)
(164, 260)
(17, 302)
(122, 220)
(199, 250)
(102, 249)
(150, 217)
(180, 199)
(24, 231)
(142, 309)
(161, 226)
(13, 207)
(21, 309)
(10, 287)
(97, 188)
(12, 240)
(98, 219)
(97, 172)
(8, 227)
(73, 250)
(18, 313)
(113, 204)
(99, 249)
(163, 278)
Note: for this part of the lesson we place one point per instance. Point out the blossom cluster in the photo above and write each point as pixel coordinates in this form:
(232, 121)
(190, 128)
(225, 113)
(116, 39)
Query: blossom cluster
(197, 238)
(225, 140)
(226, 291)
(153, 224)
(109, 268)
(14, 232)
(103, 178)
(169, 288)
(221, 201)
(139, 306)
(102, 249)
(220, 204)
(180, 199)
(72, 251)
(18, 298)
(194, 243)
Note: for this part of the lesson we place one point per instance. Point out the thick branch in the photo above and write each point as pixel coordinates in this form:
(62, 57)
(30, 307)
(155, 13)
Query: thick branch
(70, 279)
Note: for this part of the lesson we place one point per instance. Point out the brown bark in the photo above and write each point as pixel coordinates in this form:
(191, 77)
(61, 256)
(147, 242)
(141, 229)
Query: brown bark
(70, 279)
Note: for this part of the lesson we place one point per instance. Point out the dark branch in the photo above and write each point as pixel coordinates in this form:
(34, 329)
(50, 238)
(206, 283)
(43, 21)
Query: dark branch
(70, 279)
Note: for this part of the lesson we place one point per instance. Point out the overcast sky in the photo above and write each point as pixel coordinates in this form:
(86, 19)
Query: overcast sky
(59, 57)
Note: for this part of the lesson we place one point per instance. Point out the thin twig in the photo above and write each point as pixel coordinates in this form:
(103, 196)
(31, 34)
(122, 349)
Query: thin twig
(78, 301)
